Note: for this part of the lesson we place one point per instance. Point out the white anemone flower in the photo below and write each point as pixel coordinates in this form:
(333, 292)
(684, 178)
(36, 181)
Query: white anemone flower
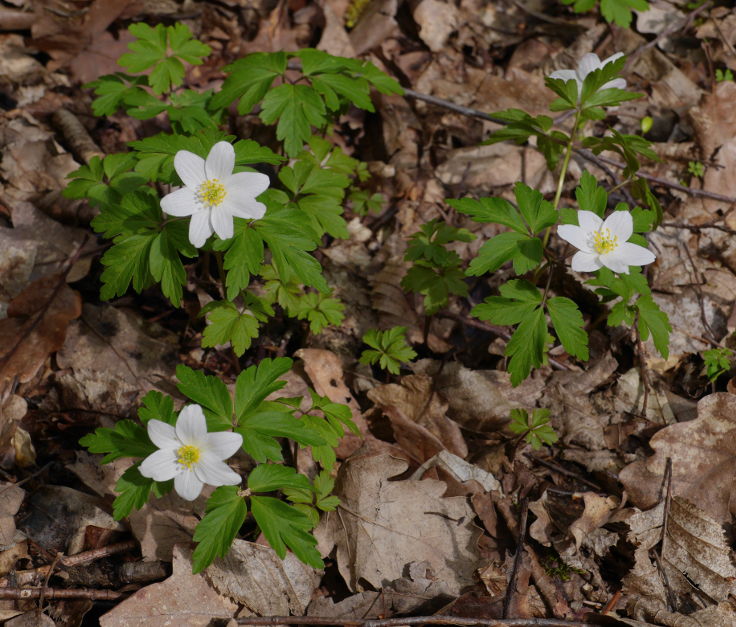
(212, 194)
(189, 455)
(588, 64)
(604, 243)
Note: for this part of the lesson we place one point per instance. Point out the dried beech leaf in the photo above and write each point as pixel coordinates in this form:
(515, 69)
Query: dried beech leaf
(35, 327)
(703, 453)
(384, 525)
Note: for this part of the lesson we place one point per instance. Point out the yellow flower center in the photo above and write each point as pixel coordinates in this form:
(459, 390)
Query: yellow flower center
(604, 242)
(188, 455)
(211, 192)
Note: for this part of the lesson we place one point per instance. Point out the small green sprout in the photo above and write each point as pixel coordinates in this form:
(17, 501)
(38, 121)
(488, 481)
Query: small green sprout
(388, 349)
(717, 362)
(535, 429)
(696, 168)
(723, 75)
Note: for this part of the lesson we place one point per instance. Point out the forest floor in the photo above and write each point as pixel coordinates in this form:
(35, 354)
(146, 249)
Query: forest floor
(625, 520)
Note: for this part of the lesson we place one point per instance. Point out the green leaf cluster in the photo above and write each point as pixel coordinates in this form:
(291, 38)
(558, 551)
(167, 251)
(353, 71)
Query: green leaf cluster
(521, 245)
(717, 362)
(327, 85)
(389, 349)
(535, 428)
(329, 420)
(617, 11)
(521, 304)
(435, 272)
(315, 498)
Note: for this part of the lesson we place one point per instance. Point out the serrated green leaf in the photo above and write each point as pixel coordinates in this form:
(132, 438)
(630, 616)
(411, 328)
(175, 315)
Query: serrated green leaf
(271, 477)
(255, 383)
(260, 428)
(224, 515)
(156, 405)
(285, 527)
(209, 392)
(125, 263)
(297, 108)
(494, 210)
(537, 212)
(249, 80)
(655, 321)
(227, 324)
(527, 346)
(525, 252)
(133, 491)
(569, 326)
(125, 439)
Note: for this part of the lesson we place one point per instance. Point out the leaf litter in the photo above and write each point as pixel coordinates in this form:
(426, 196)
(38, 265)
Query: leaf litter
(431, 503)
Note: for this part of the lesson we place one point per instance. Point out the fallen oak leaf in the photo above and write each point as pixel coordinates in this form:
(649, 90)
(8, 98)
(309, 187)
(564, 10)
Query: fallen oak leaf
(35, 327)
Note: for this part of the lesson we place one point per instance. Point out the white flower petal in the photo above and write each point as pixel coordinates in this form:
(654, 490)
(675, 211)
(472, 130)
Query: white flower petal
(213, 471)
(634, 255)
(575, 235)
(613, 57)
(160, 466)
(565, 75)
(163, 435)
(188, 485)
(190, 168)
(585, 262)
(221, 161)
(621, 225)
(589, 221)
(247, 184)
(222, 221)
(191, 426)
(587, 64)
(616, 83)
(179, 203)
(223, 444)
(200, 228)
(244, 208)
(615, 262)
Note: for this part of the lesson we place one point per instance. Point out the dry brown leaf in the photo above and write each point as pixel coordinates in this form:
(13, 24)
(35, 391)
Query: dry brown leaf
(113, 356)
(36, 327)
(696, 557)
(11, 498)
(254, 576)
(479, 400)
(184, 600)
(384, 525)
(71, 511)
(418, 417)
(437, 20)
(703, 453)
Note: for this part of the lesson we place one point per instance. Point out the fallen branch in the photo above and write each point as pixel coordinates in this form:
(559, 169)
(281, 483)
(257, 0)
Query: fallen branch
(60, 593)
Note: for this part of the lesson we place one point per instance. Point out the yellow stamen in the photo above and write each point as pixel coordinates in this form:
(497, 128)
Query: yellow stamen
(188, 455)
(604, 242)
(211, 192)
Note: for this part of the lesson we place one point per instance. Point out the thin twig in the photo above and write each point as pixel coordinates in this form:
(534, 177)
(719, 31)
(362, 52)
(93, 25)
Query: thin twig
(583, 152)
(513, 579)
(60, 593)
(659, 556)
(412, 620)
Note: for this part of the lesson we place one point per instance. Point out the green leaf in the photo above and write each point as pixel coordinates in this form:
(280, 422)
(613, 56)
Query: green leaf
(249, 80)
(156, 405)
(227, 324)
(285, 527)
(125, 439)
(590, 195)
(255, 383)
(320, 310)
(527, 346)
(518, 298)
(224, 516)
(260, 428)
(536, 428)
(655, 321)
(126, 262)
(133, 491)
(166, 266)
(569, 326)
(524, 251)
(297, 108)
(391, 349)
(494, 210)
(242, 259)
(271, 477)
(209, 392)
(537, 212)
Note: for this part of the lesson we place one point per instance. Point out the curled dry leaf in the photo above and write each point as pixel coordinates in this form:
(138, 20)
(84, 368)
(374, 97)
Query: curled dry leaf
(384, 525)
(35, 327)
(182, 599)
(703, 453)
(695, 556)
(254, 576)
(417, 415)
